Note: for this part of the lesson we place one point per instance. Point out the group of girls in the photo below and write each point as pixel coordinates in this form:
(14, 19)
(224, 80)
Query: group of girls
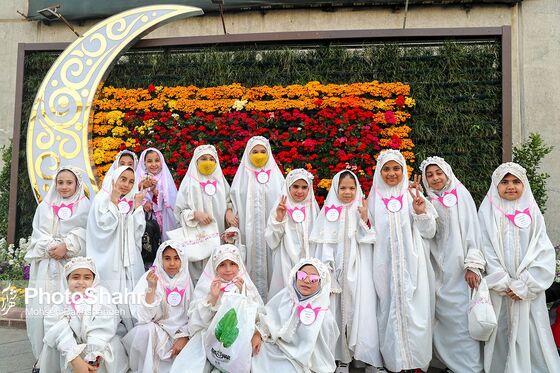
(384, 282)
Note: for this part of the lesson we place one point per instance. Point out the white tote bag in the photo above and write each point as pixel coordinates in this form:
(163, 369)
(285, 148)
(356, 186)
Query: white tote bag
(482, 318)
(228, 338)
(198, 241)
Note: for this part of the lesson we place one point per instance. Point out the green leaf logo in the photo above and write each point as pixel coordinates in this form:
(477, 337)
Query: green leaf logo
(227, 330)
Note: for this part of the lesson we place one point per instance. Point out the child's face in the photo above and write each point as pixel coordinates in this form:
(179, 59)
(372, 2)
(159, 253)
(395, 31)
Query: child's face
(206, 157)
(66, 184)
(392, 173)
(436, 177)
(206, 164)
(510, 188)
(299, 190)
(126, 160)
(125, 182)
(153, 163)
(227, 270)
(306, 286)
(346, 189)
(171, 261)
(258, 156)
(80, 279)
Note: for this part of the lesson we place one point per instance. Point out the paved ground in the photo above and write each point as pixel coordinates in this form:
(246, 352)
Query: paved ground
(15, 351)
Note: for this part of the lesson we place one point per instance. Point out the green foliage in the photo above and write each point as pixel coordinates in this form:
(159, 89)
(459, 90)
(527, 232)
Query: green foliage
(227, 330)
(5, 189)
(529, 154)
(456, 85)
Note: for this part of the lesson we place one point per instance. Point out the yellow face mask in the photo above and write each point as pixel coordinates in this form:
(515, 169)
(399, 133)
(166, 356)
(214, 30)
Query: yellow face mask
(258, 159)
(206, 167)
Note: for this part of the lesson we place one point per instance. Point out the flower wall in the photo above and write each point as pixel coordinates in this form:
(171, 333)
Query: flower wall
(324, 128)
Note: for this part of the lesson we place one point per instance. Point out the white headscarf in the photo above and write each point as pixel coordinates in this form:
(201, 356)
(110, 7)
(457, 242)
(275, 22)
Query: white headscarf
(166, 187)
(81, 262)
(182, 278)
(108, 176)
(463, 212)
(325, 231)
(252, 202)
(191, 192)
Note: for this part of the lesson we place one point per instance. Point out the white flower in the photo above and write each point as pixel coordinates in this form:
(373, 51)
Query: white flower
(239, 104)
(175, 116)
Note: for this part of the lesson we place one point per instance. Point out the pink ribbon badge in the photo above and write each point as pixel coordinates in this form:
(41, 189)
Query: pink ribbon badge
(262, 176)
(209, 186)
(122, 203)
(174, 296)
(521, 219)
(297, 214)
(332, 212)
(393, 204)
(307, 315)
(449, 199)
(63, 211)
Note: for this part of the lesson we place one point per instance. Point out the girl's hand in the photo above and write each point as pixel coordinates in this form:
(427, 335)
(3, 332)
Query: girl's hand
(418, 203)
(256, 342)
(80, 366)
(281, 209)
(231, 219)
(179, 344)
(472, 279)
(139, 198)
(214, 291)
(152, 279)
(203, 218)
(115, 194)
(363, 211)
(148, 206)
(58, 252)
(238, 281)
(416, 179)
(511, 294)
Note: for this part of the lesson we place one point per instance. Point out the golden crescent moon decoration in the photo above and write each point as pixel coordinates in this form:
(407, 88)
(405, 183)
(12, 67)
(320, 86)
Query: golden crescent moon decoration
(58, 132)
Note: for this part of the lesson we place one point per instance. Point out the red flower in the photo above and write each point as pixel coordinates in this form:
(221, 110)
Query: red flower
(390, 117)
(151, 88)
(400, 100)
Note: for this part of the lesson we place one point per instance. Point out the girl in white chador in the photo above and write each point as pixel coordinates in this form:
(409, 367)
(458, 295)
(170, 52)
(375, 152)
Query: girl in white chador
(123, 158)
(224, 274)
(299, 330)
(254, 193)
(203, 199)
(289, 227)
(115, 227)
(402, 272)
(457, 261)
(59, 233)
(345, 244)
(82, 333)
(161, 332)
(520, 266)
(152, 174)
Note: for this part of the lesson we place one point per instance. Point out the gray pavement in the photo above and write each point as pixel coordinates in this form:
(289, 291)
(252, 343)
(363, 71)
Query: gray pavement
(15, 351)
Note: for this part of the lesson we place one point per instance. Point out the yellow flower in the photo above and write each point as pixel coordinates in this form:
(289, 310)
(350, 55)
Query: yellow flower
(325, 184)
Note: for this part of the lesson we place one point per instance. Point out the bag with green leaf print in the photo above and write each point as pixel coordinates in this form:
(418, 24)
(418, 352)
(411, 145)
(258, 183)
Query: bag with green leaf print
(228, 339)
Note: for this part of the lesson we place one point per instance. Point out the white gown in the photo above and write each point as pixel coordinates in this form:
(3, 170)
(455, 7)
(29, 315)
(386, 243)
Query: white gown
(289, 239)
(455, 248)
(346, 247)
(521, 259)
(49, 230)
(114, 242)
(290, 345)
(402, 272)
(159, 324)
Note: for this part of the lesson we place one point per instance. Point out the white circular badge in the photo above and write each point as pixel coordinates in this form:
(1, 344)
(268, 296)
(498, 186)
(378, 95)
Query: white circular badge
(298, 216)
(332, 215)
(210, 189)
(124, 207)
(64, 213)
(174, 298)
(522, 220)
(449, 200)
(307, 316)
(394, 205)
(262, 177)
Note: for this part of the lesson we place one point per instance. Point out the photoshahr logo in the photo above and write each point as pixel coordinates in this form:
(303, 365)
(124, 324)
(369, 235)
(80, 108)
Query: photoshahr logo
(8, 299)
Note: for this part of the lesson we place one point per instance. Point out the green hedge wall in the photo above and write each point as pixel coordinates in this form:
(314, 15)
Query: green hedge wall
(456, 85)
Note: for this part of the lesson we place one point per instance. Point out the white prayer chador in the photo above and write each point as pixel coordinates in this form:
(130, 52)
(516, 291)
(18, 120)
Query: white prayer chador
(193, 357)
(114, 241)
(289, 239)
(345, 245)
(289, 345)
(160, 323)
(401, 271)
(167, 192)
(207, 193)
(86, 326)
(520, 259)
(455, 248)
(252, 202)
(108, 176)
(57, 220)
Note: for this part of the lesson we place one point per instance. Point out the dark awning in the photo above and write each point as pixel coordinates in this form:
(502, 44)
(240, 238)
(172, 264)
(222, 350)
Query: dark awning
(81, 9)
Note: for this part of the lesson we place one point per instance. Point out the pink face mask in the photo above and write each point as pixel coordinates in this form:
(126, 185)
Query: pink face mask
(449, 199)
(333, 212)
(174, 297)
(63, 211)
(209, 187)
(297, 214)
(521, 219)
(393, 204)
